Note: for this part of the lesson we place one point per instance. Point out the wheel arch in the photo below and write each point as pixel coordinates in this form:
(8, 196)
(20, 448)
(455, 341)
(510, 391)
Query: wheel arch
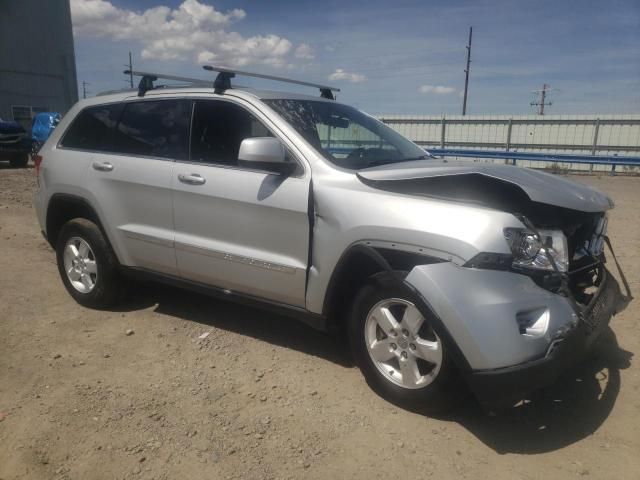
(63, 207)
(361, 262)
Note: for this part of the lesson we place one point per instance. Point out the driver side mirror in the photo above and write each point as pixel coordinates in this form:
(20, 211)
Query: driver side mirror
(265, 153)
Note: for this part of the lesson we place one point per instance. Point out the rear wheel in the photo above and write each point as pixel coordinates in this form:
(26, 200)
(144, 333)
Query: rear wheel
(19, 160)
(87, 265)
(397, 349)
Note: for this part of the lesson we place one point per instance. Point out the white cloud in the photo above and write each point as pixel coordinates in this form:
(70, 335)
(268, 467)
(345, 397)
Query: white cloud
(437, 89)
(304, 51)
(192, 30)
(341, 74)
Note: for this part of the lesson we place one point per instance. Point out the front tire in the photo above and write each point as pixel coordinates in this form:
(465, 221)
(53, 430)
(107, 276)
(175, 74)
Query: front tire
(401, 356)
(87, 265)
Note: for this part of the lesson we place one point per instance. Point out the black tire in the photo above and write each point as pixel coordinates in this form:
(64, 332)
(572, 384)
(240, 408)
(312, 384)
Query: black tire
(107, 290)
(446, 389)
(19, 160)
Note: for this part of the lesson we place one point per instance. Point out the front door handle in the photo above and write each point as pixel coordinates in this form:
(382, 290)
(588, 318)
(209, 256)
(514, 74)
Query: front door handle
(192, 179)
(102, 166)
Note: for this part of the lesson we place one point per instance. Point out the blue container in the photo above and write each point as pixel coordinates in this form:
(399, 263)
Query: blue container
(43, 125)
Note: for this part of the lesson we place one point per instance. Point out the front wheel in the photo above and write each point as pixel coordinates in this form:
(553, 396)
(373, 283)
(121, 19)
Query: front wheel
(399, 353)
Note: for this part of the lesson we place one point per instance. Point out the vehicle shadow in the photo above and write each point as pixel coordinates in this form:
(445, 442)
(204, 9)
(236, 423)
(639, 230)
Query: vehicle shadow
(562, 414)
(233, 317)
(552, 418)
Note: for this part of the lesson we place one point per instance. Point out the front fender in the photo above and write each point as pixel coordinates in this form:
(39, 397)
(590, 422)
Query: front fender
(480, 309)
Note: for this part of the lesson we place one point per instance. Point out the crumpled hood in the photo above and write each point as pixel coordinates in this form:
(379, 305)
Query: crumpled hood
(538, 186)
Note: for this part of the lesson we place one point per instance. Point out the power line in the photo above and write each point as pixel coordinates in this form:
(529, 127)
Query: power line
(375, 56)
(399, 68)
(466, 73)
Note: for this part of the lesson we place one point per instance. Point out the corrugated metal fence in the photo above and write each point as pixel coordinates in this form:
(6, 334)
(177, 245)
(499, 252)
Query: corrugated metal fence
(588, 135)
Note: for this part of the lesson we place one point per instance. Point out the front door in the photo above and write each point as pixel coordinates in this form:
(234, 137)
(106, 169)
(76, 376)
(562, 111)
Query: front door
(236, 228)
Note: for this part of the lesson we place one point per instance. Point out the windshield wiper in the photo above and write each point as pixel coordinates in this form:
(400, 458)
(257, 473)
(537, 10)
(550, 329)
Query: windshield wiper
(421, 157)
(377, 163)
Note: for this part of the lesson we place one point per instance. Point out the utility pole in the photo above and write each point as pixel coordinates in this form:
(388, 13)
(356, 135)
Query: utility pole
(542, 102)
(84, 89)
(466, 73)
(130, 71)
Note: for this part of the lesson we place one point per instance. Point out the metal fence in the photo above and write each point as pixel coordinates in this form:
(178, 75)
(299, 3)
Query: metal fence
(589, 142)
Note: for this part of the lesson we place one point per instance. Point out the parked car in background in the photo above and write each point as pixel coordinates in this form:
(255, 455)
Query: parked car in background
(15, 144)
(437, 271)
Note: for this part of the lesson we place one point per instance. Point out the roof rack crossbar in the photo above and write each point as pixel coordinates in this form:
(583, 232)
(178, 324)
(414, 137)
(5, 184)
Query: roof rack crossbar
(146, 82)
(223, 80)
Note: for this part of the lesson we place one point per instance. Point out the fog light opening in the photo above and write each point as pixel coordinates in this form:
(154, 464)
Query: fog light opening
(533, 323)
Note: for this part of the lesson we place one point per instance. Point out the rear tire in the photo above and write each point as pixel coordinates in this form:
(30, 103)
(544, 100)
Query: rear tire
(405, 361)
(19, 160)
(88, 267)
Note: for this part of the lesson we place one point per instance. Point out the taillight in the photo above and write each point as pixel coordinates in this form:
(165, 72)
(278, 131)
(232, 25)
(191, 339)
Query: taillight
(37, 160)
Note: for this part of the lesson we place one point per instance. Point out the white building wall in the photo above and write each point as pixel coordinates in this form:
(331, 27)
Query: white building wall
(570, 134)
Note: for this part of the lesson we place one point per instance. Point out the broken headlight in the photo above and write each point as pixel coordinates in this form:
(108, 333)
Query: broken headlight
(532, 250)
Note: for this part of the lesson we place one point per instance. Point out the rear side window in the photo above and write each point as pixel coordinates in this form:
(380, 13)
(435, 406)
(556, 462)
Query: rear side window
(93, 128)
(154, 128)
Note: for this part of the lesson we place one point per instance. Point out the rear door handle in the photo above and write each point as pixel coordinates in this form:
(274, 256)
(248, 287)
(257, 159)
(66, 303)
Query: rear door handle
(102, 166)
(192, 179)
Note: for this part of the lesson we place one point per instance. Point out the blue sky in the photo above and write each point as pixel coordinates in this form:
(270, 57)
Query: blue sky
(404, 57)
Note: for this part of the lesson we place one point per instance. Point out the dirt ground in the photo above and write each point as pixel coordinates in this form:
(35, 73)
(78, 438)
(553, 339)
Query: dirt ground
(265, 397)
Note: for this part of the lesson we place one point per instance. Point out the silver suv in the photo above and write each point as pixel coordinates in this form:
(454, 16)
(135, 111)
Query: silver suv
(437, 271)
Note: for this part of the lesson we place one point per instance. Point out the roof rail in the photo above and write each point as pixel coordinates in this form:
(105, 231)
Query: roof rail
(223, 80)
(146, 82)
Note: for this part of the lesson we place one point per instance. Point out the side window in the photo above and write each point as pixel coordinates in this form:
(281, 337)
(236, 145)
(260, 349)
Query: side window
(157, 128)
(93, 128)
(219, 128)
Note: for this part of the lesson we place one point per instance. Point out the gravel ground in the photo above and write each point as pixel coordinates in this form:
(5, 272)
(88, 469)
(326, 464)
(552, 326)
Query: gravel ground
(137, 393)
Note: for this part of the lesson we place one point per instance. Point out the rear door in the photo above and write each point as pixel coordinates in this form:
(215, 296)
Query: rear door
(130, 181)
(236, 228)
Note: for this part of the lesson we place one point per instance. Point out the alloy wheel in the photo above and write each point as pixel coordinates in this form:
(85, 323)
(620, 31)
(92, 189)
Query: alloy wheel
(80, 265)
(403, 347)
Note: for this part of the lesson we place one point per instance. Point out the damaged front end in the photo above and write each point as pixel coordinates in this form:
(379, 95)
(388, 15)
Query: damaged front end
(519, 318)
(514, 335)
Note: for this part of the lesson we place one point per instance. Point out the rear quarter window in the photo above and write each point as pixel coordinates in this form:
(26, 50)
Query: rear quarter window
(93, 128)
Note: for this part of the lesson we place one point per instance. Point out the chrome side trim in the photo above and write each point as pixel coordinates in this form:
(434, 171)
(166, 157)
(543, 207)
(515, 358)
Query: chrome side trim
(147, 238)
(254, 262)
